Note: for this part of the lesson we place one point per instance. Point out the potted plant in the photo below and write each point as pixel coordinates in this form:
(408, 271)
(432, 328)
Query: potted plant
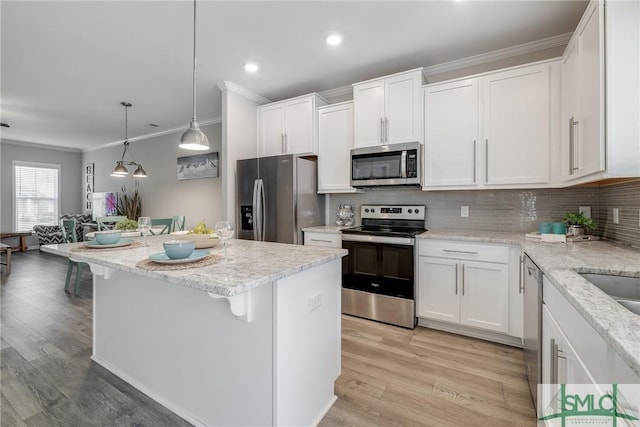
(130, 205)
(577, 223)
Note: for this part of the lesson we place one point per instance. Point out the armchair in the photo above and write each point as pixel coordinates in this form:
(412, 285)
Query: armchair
(50, 234)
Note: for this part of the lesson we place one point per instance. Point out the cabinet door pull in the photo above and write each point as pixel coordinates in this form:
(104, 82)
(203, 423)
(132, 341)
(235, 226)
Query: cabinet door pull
(320, 240)
(475, 158)
(282, 142)
(521, 276)
(457, 279)
(462, 271)
(486, 160)
(553, 371)
(386, 130)
(286, 142)
(382, 130)
(575, 156)
(460, 252)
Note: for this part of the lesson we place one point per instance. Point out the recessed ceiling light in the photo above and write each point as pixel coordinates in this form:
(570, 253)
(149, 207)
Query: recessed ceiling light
(334, 39)
(251, 67)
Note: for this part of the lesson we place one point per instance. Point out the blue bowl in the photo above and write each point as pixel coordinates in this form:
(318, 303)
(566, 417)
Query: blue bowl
(108, 237)
(179, 249)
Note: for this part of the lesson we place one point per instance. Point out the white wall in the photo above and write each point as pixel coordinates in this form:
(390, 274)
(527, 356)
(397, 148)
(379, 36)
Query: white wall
(70, 162)
(162, 194)
(239, 138)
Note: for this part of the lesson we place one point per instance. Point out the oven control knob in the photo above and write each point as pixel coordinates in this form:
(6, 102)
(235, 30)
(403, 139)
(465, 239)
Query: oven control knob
(373, 210)
(410, 211)
(416, 211)
(366, 210)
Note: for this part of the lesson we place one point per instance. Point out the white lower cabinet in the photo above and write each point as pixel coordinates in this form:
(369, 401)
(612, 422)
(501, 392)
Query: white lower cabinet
(464, 283)
(572, 351)
(560, 362)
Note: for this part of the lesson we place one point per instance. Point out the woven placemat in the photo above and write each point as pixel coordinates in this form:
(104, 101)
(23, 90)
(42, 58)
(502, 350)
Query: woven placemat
(85, 248)
(147, 264)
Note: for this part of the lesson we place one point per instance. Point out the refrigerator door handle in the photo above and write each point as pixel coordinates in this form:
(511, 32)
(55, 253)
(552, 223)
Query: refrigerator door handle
(262, 232)
(254, 207)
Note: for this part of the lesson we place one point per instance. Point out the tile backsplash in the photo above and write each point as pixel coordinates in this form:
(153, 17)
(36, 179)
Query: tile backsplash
(513, 210)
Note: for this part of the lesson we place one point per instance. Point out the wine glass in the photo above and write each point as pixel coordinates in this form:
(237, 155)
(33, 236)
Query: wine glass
(224, 230)
(144, 225)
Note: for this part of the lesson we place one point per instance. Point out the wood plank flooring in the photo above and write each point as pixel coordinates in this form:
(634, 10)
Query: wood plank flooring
(398, 377)
(390, 376)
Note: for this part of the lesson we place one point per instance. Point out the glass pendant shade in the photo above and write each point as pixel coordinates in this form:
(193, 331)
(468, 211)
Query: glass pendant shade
(194, 138)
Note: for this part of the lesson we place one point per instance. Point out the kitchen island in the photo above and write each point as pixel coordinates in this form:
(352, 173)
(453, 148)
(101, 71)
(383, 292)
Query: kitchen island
(253, 340)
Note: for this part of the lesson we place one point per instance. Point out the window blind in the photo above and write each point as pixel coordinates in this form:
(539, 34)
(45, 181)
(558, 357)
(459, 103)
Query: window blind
(36, 195)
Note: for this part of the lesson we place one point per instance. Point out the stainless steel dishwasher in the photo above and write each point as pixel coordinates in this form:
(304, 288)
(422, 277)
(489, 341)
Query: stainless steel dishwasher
(532, 339)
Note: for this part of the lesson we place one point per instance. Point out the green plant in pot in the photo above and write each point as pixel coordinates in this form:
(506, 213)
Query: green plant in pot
(130, 205)
(577, 223)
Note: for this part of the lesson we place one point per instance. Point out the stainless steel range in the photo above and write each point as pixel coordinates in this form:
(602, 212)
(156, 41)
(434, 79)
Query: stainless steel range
(378, 274)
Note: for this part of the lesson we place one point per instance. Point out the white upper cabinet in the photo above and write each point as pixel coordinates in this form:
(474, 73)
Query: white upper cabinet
(582, 97)
(335, 141)
(494, 130)
(388, 110)
(516, 121)
(601, 95)
(289, 127)
(451, 133)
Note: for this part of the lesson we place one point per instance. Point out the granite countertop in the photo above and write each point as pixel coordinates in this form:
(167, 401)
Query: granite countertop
(251, 264)
(561, 263)
(506, 238)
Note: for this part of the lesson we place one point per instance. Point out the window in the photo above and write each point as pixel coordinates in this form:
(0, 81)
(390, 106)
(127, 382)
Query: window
(36, 194)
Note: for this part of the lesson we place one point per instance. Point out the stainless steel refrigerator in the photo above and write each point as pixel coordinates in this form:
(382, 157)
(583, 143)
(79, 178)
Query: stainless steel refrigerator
(277, 197)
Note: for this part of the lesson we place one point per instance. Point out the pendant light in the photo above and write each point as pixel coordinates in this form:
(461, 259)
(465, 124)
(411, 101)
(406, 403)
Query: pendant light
(194, 138)
(120, 170)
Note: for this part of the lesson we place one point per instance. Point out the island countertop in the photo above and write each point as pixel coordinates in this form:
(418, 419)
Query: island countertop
(250, 264)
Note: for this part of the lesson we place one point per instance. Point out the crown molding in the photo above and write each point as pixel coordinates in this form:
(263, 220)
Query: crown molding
(499, 54)
(237, 89)
(215, 120)
(37, 145)
(337, 92)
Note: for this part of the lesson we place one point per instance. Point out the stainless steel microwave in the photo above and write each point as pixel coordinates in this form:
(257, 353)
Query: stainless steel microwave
(396, 164)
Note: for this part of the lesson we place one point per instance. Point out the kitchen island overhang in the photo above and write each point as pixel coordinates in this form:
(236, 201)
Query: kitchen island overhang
(250, 341)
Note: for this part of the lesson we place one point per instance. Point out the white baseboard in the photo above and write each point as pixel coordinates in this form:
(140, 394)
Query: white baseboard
(326, 409)
(471, 332)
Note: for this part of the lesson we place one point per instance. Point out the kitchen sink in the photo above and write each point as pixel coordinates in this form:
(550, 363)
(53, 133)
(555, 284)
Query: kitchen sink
(625, 290)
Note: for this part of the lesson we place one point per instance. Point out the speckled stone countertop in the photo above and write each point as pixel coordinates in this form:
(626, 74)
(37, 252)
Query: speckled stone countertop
(251, 264)
(476, 236)
(561, 263)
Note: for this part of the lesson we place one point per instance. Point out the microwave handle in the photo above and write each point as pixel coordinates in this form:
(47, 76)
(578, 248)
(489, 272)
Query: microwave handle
(403, 164)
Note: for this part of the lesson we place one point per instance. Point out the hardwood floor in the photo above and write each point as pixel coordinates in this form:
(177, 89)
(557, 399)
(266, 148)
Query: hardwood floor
(47, 376)
(390, 376)
(398, 377)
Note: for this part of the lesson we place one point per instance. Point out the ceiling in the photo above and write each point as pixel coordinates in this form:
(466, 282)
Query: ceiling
(66, 66)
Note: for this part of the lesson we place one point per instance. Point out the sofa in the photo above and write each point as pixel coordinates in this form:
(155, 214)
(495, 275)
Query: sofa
(50, 234)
